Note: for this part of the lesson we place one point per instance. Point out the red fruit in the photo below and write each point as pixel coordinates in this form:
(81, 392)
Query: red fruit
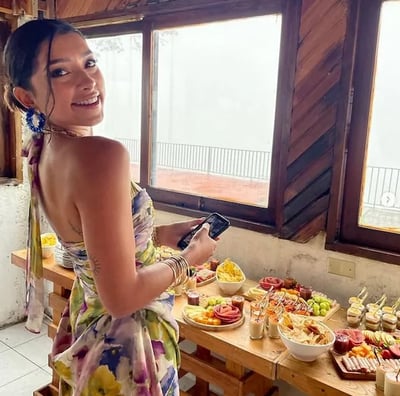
(395, 350)
(386, 354)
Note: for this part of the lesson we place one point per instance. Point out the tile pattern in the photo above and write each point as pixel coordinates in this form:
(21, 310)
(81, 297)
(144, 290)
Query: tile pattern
(23, 360)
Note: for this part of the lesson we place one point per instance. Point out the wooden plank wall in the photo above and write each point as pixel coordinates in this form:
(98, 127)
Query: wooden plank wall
(317, 94)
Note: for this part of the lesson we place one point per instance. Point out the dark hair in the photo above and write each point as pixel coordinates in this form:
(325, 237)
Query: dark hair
(21, 51)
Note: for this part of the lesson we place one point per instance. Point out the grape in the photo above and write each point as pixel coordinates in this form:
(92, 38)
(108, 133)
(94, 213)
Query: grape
(324, 305)
(316, 310)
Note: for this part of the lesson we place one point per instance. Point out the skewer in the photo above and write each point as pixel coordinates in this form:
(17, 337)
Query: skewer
(396, 305)
(377, 357)
(363, 290)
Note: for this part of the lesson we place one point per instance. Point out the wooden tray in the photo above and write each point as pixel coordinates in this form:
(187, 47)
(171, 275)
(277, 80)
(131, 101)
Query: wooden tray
(207, 281)
(353, 375)
(203, 326)
(344, 373)
(328, 315)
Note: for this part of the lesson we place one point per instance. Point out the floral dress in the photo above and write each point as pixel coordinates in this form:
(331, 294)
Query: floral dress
(96, 354)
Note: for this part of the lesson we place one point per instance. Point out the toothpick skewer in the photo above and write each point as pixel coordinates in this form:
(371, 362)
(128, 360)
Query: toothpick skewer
(377, 357)
(363, 290)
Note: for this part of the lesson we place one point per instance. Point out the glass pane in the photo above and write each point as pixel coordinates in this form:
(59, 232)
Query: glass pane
(381, 194)
(120, 59)
(214, 112)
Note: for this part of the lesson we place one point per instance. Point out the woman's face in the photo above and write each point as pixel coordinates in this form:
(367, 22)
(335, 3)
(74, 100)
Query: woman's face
(76, 81)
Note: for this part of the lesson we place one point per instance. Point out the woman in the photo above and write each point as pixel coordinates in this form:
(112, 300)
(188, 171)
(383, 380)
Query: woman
(118, 336)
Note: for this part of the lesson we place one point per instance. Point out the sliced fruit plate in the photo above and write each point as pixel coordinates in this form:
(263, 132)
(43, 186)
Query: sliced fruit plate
(209, 324)
(213, 313)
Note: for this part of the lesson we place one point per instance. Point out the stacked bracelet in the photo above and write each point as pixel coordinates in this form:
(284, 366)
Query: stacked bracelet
(180, 269)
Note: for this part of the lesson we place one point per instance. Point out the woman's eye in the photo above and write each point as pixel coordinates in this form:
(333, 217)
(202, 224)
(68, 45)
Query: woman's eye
(58, 73)
(91, 63)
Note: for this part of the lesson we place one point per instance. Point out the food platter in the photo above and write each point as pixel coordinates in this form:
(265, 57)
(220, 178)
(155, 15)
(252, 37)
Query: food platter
(339, 360)
(204, 326)
(257, 292)
(206, 281)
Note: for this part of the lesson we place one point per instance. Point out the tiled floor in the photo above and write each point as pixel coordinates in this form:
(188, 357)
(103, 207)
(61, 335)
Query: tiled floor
(23, 360)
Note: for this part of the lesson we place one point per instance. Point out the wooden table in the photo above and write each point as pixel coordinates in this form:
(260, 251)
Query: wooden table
(320, 377)
(238, 365)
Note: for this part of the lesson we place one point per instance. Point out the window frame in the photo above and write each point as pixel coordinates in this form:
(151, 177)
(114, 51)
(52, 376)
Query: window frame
(343, 232)
(242, 215)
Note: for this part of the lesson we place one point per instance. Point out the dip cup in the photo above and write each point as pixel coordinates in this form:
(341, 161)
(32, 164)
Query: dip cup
(256, 324)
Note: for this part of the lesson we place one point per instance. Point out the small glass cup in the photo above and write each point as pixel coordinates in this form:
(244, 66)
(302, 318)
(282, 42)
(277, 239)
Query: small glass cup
(380, 373)
(193, 297)
(191, 283)
(306, 292)
(273, 326)
(238, 301)
(256, 323)
(391, 384)
(178, 290)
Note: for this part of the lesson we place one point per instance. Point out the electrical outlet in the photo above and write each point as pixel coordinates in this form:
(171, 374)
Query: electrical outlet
(341, 267)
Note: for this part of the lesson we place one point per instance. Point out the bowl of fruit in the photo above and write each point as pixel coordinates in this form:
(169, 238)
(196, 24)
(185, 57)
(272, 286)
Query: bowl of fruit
(230, 277)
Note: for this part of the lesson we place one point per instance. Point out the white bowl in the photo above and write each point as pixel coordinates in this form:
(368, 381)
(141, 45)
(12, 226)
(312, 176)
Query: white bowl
(48, 248)
(227, 286)
(307, 352)
(230, 288)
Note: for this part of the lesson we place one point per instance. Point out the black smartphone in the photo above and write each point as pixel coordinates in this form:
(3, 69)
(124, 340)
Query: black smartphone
(218, 224)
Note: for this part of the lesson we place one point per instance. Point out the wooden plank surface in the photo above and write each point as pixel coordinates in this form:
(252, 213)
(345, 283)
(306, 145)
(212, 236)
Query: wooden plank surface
(267, 357)
(321, 377)
(235, 345)
(51, 270)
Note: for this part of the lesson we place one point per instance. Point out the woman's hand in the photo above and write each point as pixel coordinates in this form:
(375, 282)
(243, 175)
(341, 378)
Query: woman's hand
(171, 234)
(201, 247)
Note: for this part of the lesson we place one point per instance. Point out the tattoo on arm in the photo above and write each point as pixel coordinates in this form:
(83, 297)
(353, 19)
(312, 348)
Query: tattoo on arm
(76, 229)
(95, 265)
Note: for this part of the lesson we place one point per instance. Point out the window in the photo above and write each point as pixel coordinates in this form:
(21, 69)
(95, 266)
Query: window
(214, 108)
(203, 101)
(371, 206)
(120, 59)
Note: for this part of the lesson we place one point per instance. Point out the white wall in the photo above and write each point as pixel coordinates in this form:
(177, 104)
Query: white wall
(258, 254)
(13, 234)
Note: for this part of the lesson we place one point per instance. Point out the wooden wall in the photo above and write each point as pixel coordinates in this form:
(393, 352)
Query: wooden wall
(317, 113)
(316, 124)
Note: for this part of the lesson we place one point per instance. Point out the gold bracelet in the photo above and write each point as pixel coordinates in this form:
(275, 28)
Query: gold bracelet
(180, 269)
(155, 238)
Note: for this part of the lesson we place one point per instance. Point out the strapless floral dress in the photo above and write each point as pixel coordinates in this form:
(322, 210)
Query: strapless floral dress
(95, 354)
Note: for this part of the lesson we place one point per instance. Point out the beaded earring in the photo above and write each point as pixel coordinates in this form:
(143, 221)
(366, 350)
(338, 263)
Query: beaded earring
(33, 117)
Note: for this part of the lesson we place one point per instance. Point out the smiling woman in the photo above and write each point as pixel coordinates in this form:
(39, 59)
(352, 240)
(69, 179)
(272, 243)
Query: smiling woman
(119, 316)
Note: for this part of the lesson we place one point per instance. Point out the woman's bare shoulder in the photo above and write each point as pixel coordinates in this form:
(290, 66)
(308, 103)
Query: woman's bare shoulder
(100, 158)
(97, 150)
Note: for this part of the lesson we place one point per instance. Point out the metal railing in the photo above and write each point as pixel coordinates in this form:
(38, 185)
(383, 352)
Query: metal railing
(382, 188)
(382, 184)
(244, 164)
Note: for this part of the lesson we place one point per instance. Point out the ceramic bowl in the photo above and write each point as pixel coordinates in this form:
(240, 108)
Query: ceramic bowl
(303, 351)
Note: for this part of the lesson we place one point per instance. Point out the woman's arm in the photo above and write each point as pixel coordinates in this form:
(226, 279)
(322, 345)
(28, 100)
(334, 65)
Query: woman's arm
(102, 197)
